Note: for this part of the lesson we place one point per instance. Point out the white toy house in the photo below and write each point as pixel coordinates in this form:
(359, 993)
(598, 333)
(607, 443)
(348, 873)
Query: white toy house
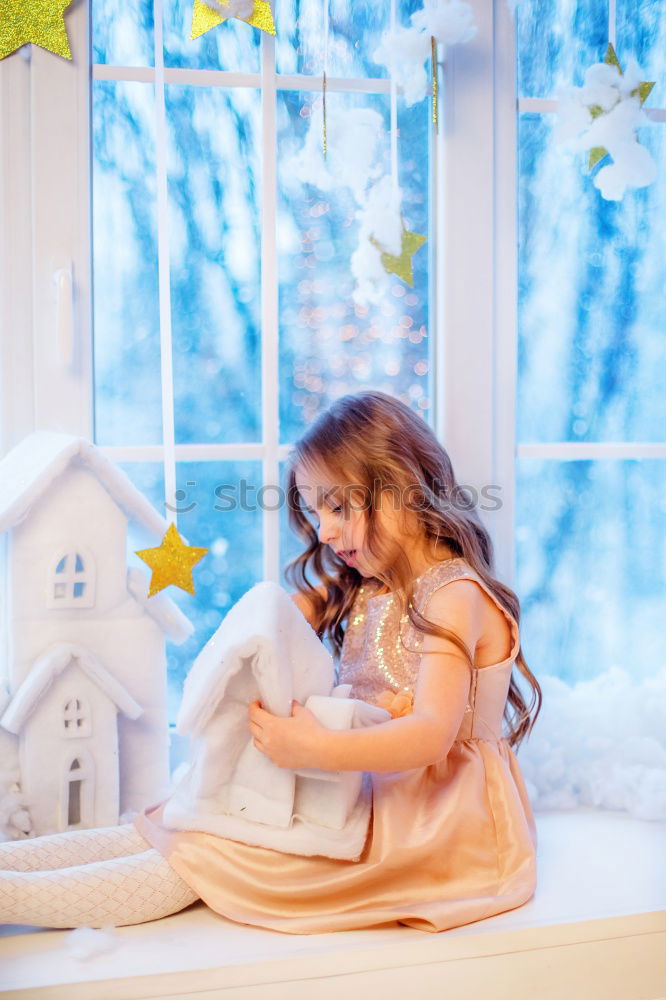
(84, 656)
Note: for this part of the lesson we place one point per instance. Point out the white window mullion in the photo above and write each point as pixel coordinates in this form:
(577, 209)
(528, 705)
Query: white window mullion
(505, 295)
(547, 105)
(476, 342)
(166, 345)
(611, 21)
(186, 452)
(224, 78)
(354, 85)
(572, 451)
(270, 414)
(469, 309)
(193, 452)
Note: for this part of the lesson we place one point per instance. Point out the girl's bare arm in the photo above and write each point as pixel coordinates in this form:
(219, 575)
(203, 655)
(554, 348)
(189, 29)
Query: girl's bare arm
(440, 697)
(423, 737)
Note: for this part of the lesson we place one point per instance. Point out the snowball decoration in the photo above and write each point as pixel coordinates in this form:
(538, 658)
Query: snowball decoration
(600, 743)
(14, 817)
(404, 50)
(369, 274)
(380, 215)
(354, 161)
(354, 136)
(385, 246)
(379, 223)
(88, 942)
(602, 116)
(84, 727)
(451, 22)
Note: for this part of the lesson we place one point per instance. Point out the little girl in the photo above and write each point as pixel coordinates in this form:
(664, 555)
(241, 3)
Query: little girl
(408, 602)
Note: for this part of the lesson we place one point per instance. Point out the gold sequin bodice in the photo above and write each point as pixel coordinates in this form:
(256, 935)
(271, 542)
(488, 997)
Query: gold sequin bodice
(382, 651)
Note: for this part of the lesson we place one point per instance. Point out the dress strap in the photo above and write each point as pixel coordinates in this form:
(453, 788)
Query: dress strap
(459, 569)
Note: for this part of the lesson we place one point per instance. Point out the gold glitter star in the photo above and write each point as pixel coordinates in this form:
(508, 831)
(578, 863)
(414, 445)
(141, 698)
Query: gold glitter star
(204, 18)
(171, 563)
(41, 22)
(402, 265)
(642, 90)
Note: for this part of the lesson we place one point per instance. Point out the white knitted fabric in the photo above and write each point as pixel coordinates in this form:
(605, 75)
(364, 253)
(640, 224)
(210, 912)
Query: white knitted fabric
(122, 885)
(75, 847)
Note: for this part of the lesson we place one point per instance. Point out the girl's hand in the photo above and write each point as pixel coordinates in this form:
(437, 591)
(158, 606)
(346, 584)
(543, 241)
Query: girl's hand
(288, 742)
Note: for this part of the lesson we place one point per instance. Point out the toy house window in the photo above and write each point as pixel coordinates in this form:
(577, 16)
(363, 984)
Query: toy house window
(76, 718)
(72, 581)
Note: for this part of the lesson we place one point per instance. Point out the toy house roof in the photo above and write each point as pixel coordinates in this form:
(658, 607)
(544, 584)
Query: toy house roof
(167, 614)
(32, 466)
(52, 663)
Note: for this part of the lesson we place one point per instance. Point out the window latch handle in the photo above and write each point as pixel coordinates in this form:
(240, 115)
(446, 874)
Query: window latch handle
(64, 315)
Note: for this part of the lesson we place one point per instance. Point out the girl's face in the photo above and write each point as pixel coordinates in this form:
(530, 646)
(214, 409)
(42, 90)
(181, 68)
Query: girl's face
(340, 518)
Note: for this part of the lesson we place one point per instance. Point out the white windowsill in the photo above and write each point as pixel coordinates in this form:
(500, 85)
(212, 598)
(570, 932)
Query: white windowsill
(596, 928)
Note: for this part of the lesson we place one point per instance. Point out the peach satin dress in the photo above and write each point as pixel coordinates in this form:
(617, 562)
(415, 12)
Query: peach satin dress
(447, 844)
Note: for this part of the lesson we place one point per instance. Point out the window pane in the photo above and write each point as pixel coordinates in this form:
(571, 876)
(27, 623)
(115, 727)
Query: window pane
(591, 306)
(122, 33)
(641, 33)
(591, 561)
(215, 240)
(290, 544)
(127, 383)
(231, 46)
(556, 41)
(220, 512)
(329, 345)
(355, 31)
(148, 477)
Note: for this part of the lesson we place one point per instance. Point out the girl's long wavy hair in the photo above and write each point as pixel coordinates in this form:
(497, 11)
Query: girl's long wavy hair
(370, 443)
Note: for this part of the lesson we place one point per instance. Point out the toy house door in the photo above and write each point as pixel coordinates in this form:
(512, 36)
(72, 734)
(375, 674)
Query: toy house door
(77, 792)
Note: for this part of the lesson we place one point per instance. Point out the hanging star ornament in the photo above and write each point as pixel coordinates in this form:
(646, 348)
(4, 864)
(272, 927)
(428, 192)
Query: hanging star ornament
(206, 16)
(171, 563)
(402, 265)
(40, 22)
(597, 153)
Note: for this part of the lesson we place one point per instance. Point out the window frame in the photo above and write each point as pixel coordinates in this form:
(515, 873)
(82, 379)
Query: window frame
(45, 177)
